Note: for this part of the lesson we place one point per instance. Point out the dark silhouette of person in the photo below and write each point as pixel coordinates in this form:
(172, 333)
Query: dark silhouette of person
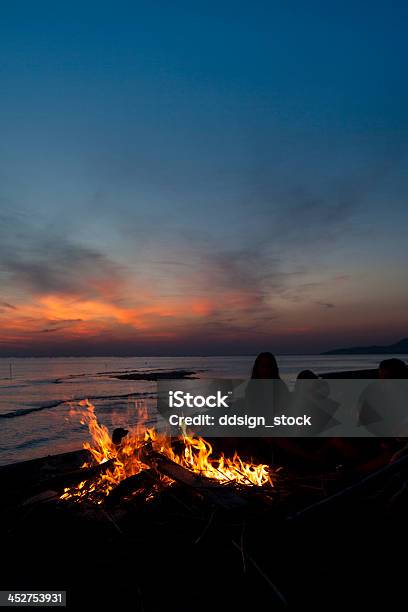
(265, 367)
(311, 396)
(383, 411)
(383, 404)
(266, 388)
(266, 395)
(393, 369)
(307, 375)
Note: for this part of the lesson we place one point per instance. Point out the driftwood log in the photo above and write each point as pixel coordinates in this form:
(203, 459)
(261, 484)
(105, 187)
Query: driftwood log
(130, 485)
(61, 481)
(217, 494)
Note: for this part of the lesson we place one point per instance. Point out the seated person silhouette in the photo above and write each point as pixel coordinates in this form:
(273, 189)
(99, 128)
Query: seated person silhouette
(266, 393)
(383, 405)
(393, 369)
(308, 452)
(311, 396)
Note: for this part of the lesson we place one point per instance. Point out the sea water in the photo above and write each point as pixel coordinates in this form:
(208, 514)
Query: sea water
(36, 393)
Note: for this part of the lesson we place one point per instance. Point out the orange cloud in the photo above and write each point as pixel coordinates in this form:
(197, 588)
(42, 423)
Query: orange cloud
(71, 317)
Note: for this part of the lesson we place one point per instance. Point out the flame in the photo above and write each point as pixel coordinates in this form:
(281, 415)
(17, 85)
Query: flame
(196, 457)
(125, 458)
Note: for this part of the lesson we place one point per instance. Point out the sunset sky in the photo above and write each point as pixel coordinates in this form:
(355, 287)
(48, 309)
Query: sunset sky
(202, 177)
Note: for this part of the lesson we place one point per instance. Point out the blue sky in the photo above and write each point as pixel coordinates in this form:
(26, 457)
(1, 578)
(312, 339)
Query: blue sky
(202, 177)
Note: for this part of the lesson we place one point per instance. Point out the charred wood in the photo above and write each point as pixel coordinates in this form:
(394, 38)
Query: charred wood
(219, 495)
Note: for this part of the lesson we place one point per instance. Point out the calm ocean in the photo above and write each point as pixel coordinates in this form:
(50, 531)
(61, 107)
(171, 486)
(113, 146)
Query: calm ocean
(34, 393)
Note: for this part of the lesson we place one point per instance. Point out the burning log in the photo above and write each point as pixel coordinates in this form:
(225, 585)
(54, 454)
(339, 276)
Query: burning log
(218, 494)
(62, 481)
(129, 486)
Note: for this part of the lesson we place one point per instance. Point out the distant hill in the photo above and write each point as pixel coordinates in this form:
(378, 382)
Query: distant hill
(399, 348)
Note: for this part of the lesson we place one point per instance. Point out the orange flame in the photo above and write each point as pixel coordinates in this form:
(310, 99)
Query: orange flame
(125, 458)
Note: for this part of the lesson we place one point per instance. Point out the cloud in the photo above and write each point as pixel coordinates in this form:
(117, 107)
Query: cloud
(59, 325)
(182, 286)
(8, 306)
(41, 260)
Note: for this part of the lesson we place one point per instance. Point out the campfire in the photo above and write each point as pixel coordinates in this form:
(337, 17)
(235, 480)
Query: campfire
(113, 462)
